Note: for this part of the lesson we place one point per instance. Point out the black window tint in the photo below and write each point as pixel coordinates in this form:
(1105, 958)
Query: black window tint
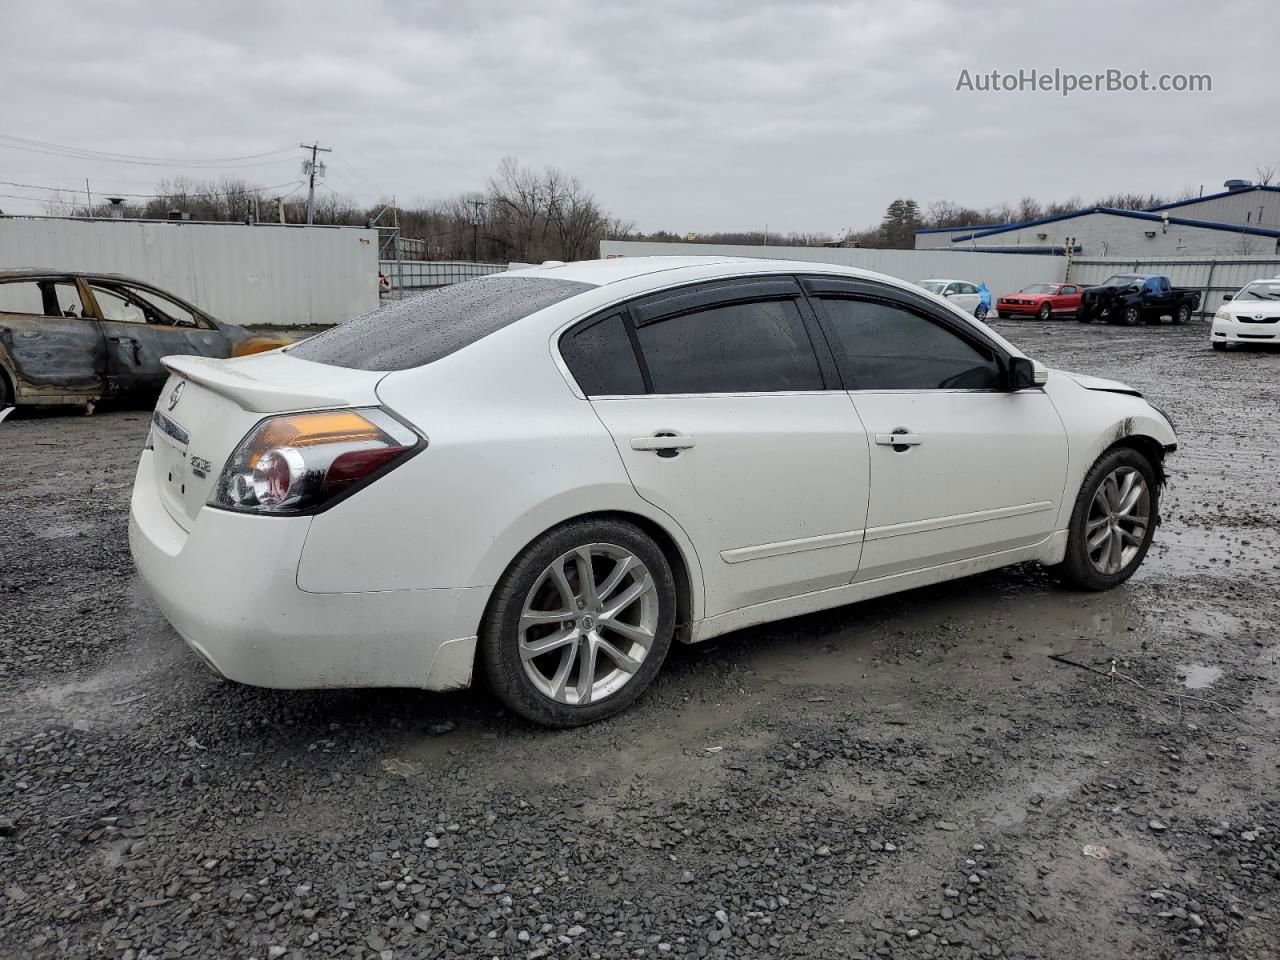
(434, 324)
(887, 347)
(740, 348)
(601, 358)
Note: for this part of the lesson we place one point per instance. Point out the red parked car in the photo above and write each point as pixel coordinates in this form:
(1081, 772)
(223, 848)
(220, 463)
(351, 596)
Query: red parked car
(1040, 300)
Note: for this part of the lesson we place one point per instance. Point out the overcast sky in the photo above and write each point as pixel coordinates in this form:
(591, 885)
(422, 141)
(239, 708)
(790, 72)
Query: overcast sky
(720, 114)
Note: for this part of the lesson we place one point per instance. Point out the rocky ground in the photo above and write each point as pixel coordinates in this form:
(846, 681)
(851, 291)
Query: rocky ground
(911, 777)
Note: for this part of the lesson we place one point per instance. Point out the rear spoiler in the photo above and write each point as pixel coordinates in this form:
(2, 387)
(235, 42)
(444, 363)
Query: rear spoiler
(256, 396)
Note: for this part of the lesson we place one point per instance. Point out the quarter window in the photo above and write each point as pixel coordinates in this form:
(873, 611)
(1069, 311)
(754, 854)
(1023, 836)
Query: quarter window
(601, 358)
(887, 347)
(48, 298)
(736, 348)
(21, 297)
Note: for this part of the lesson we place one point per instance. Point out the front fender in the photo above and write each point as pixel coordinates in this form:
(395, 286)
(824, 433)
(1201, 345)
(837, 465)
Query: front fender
(1096, 420)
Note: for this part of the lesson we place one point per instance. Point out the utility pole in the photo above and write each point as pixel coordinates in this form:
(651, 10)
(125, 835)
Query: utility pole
(88, 195)
(309, 167)
(476, 206)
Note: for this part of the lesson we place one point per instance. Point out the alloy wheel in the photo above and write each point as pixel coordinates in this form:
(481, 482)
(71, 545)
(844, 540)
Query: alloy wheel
(1119, 517)
(588, 624)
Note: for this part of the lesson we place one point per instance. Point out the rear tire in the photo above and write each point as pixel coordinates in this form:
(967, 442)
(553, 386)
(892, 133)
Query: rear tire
(561, 651)
(6, 391)
(980, 311)
(1045, 312)
(1182, 314)
(1082, 317)
(1112, 523)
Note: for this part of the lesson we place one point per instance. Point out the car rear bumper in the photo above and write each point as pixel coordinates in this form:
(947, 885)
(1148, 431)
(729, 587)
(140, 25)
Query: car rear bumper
(1233, 331)
(229, 587)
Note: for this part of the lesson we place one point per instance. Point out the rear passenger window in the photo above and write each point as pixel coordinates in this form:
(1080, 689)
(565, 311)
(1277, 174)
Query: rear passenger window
(432, 325)
(22, 296)
(886, 347)
(737, 348)
(601, 358)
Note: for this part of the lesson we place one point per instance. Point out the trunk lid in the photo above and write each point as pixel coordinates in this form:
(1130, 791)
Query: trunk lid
(208, 406)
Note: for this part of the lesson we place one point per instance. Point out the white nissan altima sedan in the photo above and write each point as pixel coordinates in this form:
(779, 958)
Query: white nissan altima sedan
(551, 474)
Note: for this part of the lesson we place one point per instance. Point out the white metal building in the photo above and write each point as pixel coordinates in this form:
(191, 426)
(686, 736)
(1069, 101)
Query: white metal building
(1242, 220)
(1246, 205)
(1108, 232)
(939, 238)
(278, 274)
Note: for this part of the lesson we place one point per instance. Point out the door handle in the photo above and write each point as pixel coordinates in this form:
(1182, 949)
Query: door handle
(661, 443)
(899, 439)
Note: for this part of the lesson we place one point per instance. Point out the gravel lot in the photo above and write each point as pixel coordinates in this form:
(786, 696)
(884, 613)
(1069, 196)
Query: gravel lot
(911, 777)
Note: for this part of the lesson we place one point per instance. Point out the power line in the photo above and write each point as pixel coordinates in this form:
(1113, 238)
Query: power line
(359, 176)
(343, 196)
(83, 153)
(356, 188)
(149, 196)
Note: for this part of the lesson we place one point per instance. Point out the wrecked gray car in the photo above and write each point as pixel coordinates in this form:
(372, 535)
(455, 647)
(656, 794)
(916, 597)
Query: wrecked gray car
(79, 337)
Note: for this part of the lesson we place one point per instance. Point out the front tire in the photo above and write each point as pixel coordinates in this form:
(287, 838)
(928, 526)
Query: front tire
(1220, 346)
(1044, 312)
(580, 623)
(1113, 521)
(1132, 316)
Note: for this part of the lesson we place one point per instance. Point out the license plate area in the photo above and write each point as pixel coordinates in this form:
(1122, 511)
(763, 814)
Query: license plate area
(172, 468)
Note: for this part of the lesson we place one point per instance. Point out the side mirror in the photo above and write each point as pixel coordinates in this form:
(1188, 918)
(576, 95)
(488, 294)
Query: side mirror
(1025, 374)
(1228, 296)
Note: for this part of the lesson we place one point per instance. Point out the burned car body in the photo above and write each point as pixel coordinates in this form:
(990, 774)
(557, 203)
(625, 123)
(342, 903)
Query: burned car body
(79, 337)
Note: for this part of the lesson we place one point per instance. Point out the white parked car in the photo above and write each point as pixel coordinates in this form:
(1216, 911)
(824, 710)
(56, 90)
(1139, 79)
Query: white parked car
(961, 293)
(551, 474)
(1251, 316)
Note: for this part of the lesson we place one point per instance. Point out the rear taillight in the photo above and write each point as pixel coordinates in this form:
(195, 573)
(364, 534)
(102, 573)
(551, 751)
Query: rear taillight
(304, 462)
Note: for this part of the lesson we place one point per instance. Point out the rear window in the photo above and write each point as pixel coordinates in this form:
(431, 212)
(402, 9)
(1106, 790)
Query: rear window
(434, 324)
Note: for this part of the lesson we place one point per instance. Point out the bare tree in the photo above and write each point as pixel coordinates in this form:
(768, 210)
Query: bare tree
(1029, 209)
(1264, 173)
(520, 200)
(1245, 246)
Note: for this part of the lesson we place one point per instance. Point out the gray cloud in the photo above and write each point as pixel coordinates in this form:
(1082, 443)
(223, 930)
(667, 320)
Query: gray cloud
(802, 115)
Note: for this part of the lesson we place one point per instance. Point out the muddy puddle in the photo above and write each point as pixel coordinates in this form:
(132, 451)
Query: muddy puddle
(1198, 676)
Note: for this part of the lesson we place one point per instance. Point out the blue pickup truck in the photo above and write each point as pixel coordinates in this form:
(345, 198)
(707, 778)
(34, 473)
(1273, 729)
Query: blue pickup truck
(1134, 298)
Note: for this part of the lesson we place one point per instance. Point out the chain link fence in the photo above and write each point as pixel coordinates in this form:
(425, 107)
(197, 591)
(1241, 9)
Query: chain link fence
(404, 278)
